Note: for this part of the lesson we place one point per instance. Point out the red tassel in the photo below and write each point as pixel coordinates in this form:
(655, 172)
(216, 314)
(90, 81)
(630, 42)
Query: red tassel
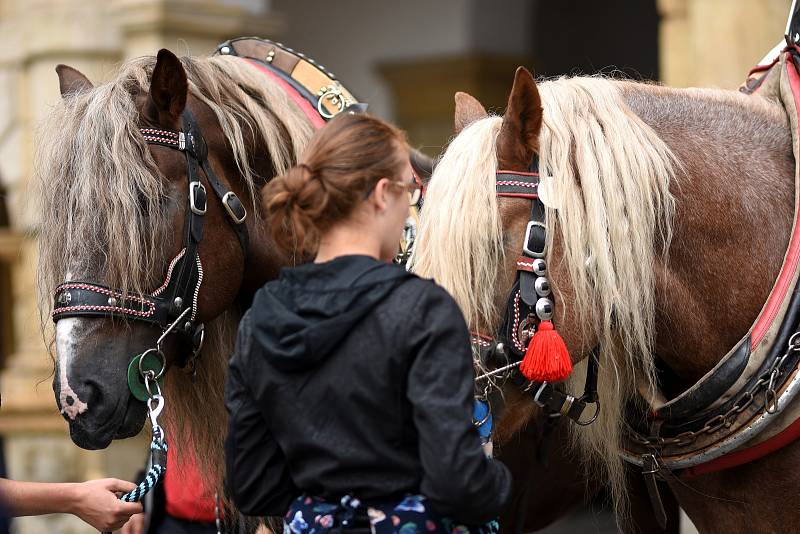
(546, 359)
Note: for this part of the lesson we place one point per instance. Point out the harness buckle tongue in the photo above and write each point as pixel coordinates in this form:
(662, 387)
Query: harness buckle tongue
(650, 468)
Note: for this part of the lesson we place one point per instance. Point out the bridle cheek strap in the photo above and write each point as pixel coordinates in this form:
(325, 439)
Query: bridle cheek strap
(180, 290)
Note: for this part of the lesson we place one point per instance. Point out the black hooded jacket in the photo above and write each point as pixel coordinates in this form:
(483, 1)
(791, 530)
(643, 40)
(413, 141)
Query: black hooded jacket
(354, 376)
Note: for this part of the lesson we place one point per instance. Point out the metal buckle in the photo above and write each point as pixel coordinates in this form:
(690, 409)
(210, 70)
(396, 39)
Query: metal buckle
(181, 141)
(525, 248)
(236, 218)
(193, 187)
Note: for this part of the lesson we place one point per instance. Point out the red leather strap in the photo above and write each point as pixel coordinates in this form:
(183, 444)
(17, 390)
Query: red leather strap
(787, 436)
(792, 254)
(315, 118)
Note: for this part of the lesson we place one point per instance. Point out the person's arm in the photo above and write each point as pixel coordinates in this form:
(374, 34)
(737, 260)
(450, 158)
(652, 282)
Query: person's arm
(458, 479)
(95, 501)
(257, 477)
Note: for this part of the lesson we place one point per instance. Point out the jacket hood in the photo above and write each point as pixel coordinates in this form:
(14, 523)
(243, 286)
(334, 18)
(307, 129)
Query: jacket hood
(300, 318)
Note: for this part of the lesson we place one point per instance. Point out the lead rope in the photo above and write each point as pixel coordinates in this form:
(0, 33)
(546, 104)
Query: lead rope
(158, 445)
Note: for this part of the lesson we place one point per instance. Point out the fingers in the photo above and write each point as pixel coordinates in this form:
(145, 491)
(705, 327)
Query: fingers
(114, 484)
(129, 508)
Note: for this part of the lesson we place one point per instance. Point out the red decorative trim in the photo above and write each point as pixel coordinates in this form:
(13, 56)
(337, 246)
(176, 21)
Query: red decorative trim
(766, 319)
(151, 307)
(524, 264)
(787, 436)
(517, 183)
(162, 133)
(514, 336)
(522, 173)
(158, 291)
(518, 195)
(791, 433)
(312, 114)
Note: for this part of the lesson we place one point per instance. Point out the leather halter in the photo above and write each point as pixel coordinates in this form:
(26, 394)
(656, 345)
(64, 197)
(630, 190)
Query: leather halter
(177, 296)
(531, 299)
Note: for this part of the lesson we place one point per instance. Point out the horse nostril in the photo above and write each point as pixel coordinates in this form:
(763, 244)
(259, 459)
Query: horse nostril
(70, 400)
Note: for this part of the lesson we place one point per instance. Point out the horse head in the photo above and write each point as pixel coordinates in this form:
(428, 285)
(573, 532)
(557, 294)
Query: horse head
(150, 223)
(603, 178)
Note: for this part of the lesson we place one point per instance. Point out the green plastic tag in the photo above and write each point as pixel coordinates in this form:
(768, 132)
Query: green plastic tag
(136, 380)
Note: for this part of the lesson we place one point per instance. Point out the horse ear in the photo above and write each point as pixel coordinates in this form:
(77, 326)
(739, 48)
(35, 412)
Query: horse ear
(72, 81)
(168, 88)
(522, 122)
(468, 110)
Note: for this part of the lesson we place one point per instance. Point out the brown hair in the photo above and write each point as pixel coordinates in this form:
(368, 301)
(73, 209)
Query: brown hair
(343, 161)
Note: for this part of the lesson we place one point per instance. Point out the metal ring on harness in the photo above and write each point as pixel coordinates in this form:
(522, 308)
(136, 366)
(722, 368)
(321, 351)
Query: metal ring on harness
(145, 372)
(594, 416)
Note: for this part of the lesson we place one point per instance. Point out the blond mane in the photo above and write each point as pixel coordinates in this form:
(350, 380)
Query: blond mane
(103, 199)
(611, 177)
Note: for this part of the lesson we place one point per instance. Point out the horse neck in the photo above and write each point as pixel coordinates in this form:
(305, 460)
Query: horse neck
(734, 196)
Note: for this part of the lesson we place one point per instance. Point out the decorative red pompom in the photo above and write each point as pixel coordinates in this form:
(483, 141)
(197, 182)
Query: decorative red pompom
(546, 359)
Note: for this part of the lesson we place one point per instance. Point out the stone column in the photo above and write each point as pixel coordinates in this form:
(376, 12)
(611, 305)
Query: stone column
(35, 36)
(189, 27)
(93, 36)
(714, 43)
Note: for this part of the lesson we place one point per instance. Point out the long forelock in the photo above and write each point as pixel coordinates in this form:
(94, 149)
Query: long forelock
(103, 201)
(611, 178)
(460, 239)
(101, 194)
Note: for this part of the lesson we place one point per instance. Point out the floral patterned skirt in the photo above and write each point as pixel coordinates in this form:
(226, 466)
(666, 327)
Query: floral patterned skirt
(312, 515)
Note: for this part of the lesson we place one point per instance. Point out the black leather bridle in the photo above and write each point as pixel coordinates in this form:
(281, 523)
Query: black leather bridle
(173, 306)
(530, 301)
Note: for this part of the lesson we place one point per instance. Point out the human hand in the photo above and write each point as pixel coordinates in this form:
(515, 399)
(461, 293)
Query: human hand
(134, 526)
(96, 502)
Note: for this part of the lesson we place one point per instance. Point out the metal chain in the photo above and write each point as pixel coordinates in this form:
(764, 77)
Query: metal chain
(727, 419)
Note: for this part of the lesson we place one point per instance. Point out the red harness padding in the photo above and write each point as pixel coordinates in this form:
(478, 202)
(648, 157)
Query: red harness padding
(791, 433)
(785, 437)
(313, 116)
(186, 496)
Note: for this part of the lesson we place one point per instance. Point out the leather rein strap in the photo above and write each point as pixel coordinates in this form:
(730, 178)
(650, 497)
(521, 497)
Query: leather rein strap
(179, 292)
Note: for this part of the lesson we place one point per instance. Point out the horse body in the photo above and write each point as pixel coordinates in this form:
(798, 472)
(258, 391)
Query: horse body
(675, 277)
(735, 203)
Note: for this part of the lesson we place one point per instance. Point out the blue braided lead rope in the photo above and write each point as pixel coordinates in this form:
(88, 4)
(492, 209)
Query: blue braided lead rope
(156, 472)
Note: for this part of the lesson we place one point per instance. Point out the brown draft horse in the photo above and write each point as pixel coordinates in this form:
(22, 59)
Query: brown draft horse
(670, 211)
(113, 211)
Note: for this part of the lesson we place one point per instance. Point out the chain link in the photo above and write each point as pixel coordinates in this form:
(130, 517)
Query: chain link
(768, 379)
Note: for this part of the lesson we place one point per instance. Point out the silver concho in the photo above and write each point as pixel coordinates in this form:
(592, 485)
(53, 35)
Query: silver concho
(542, 286)
(539, 267)
(544, 309)
(65, 298)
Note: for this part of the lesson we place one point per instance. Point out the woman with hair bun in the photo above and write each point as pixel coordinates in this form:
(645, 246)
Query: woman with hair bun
(350, 389)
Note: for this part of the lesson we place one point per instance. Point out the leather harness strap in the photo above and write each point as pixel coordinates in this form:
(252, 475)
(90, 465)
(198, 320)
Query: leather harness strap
(180, 289)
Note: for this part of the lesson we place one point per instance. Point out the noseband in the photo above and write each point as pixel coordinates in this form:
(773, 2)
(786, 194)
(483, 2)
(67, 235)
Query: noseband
(172, 306)
(529, 303)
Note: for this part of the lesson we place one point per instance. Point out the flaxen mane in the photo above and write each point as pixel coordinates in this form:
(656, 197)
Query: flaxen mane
(611, 176)
(103, 202)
